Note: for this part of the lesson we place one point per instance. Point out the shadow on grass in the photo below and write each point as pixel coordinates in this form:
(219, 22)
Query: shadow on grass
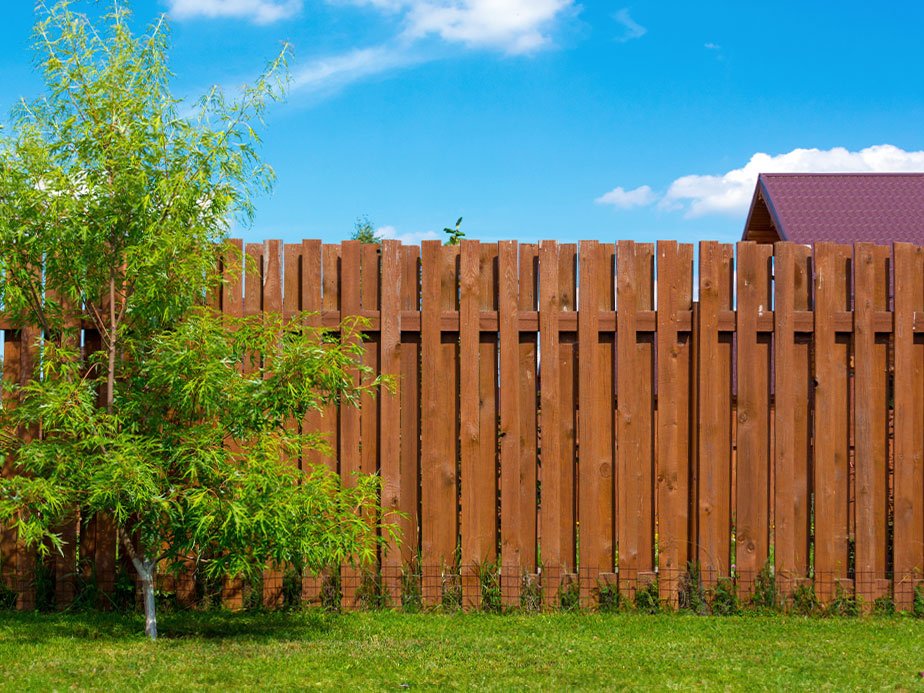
(95, 625)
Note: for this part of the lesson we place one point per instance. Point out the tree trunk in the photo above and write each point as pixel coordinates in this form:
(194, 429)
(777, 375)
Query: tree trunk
(146, 570)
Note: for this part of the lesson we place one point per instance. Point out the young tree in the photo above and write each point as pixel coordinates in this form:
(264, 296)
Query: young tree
(113, 210)
(364, 231)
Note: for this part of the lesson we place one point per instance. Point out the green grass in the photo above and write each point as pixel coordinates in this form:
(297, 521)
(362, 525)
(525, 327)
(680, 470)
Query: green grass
(393, 651)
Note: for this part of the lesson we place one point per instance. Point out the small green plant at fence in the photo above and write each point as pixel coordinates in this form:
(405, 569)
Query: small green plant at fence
(364, 231)
(647, 598)
(844, 603)
(692, 595)
(490, 584)
(371, 593)
(455, 234)
(411, 597)
(725, 601)
(884, 605)
(569, 596)
(530, 594)
(610, 599)
(764, 597)
(804, 600)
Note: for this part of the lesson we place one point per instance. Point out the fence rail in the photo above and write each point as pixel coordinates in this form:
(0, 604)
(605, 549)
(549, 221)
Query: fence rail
(570, 414)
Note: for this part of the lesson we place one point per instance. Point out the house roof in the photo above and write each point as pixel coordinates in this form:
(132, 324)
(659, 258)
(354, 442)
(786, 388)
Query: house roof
(807, 208)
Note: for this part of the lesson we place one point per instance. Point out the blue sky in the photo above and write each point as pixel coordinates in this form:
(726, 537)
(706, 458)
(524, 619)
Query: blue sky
(541, 119)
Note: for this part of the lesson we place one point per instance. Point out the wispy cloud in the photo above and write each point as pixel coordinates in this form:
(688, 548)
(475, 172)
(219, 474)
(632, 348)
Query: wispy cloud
(336, 71)
(633, 29)
(627, 199)
(411, 238)
(730, 193)
(259, 11)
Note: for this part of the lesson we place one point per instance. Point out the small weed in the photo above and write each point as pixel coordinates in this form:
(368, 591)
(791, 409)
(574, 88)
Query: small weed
(530, 594)
(8, 598)
(609, 599)
(844, 604)
(804, 601)
(765, 596)
(884, 606)
(489, 579)
(569, 596)
(647, 598)
(44, 585)
(725, 600)
(411, 598)
(371, 592)
(917, 606)
(253, 593)
(451, 599)
(692, 595)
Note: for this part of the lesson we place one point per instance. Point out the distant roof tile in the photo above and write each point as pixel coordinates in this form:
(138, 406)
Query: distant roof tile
(879, 208)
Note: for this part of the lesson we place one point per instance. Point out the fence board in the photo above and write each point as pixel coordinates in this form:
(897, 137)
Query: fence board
(871, 421)
(635, 399)
(568, 406)
(488, 377)
(675, 293)
(554, 468)
(752, 520)
(909, 424)
(410, 412)
(390, 409)
(832, 413)
(528, 420)
(715, 420)
(792, 419)
(473, 507)
(510, 474)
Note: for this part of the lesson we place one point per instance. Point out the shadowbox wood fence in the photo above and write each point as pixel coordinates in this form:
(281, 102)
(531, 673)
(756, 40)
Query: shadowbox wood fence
(577, 416)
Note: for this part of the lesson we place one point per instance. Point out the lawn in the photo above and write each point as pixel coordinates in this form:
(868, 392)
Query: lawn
(394, 651)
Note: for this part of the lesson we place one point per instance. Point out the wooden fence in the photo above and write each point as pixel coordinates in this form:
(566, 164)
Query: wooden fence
(572, 415)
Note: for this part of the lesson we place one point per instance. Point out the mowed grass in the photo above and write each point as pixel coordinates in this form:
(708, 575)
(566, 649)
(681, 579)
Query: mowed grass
(394, 651)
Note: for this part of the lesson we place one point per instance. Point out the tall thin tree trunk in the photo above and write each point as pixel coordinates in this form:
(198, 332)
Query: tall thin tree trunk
(146, 570)
(110, 377)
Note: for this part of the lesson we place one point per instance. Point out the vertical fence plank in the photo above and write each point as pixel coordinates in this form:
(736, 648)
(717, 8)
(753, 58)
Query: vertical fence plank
(832, 413)
(594, 467)
(715, 435)
(473, 507)
(568, 406)
(350, 421)
(908, 379)
(449, 427)
(554, 469)
(431, 454)
(311, 288)
(635, 453)
(410, 412)
(792, 423)
(752, 519)
(529, 423)
(9, 554)
(488, 407)
(871, 422)
(606, 413)
(390, 411)
(272, 306)
(675, 294)
(511, 511)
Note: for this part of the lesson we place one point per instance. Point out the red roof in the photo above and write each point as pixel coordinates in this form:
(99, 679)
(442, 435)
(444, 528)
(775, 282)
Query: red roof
(881, 208)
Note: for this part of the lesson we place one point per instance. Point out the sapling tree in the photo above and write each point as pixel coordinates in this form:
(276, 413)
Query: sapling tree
(114, 208)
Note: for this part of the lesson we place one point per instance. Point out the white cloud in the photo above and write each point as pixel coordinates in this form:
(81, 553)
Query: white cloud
(516, 26)
(731, 192)
(712, 46)
(633, 29)
(412, 238)
(339, 70)
(627, 199)
(259, 11)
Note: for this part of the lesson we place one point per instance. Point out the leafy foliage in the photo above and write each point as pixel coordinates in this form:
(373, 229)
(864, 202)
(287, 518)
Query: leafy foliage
(364, 231)
(114, 209)
(455, 234)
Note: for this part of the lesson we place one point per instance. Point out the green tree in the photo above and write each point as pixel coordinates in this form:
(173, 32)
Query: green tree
(113, 209)
(364, 231)
(455, 234)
